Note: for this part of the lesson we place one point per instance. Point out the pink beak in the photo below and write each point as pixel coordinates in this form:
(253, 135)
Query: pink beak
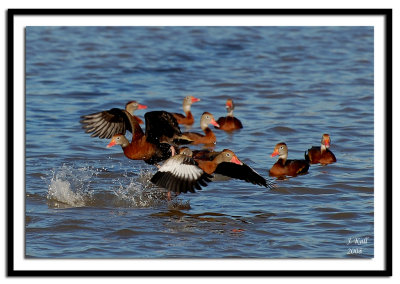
(276, 152)
(141, 106)
(213, 122)
(236, 161)
(111, 144)
(195, 100)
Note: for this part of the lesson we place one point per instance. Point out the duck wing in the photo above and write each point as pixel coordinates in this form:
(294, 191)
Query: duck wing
(242, 172)
(107, 123)
(161, 126)
(180, 173)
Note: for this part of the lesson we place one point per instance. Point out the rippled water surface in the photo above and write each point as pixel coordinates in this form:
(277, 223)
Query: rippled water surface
(289, 84)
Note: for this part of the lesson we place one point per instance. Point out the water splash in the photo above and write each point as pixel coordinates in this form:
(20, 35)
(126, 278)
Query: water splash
(140, 192)
(70, 186)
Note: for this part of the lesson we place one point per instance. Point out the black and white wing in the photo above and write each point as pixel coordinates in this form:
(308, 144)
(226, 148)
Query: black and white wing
(180, 173)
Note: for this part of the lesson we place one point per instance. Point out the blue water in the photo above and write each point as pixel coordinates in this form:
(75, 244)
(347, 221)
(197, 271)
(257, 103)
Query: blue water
(289, 84)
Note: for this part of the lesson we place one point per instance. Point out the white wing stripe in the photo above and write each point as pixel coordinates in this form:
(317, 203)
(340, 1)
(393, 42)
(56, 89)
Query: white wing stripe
(189, 172)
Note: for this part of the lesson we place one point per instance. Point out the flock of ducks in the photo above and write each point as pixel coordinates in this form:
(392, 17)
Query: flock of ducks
(183, 169)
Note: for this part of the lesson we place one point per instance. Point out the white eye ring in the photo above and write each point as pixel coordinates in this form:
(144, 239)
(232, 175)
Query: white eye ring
(228, 155)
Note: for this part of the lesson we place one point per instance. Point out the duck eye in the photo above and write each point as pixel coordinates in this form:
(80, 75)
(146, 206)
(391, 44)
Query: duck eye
(228, 155)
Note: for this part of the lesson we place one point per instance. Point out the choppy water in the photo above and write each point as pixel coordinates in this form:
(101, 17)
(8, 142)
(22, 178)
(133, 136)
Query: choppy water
(289, 84)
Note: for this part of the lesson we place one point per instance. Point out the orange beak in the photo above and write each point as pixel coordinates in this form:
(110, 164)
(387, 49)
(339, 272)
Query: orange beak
(213, 122)
(141, 106)
(195, 100)
(111, 144)
(276, 152)
(235, 160)
(326, 142)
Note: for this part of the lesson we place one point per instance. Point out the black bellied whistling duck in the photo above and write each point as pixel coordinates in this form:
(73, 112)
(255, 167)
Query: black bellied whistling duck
(229, 122)
(184, 172)
(234, 169)
(285, 167)
(209, 137)
(187, 103)
(132, 106)
(153, 146)
(321, 154)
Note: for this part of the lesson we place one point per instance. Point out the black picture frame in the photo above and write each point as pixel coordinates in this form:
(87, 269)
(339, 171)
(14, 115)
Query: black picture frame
(386, 13)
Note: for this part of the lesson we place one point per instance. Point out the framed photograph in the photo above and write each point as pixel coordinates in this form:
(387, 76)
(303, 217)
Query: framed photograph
(295, 181)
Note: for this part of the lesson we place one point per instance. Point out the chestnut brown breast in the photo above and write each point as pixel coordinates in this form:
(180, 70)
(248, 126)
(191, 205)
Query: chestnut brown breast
(181, 119)
(315, 155)
(229, 123)
(289, 168)
(208, 138)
